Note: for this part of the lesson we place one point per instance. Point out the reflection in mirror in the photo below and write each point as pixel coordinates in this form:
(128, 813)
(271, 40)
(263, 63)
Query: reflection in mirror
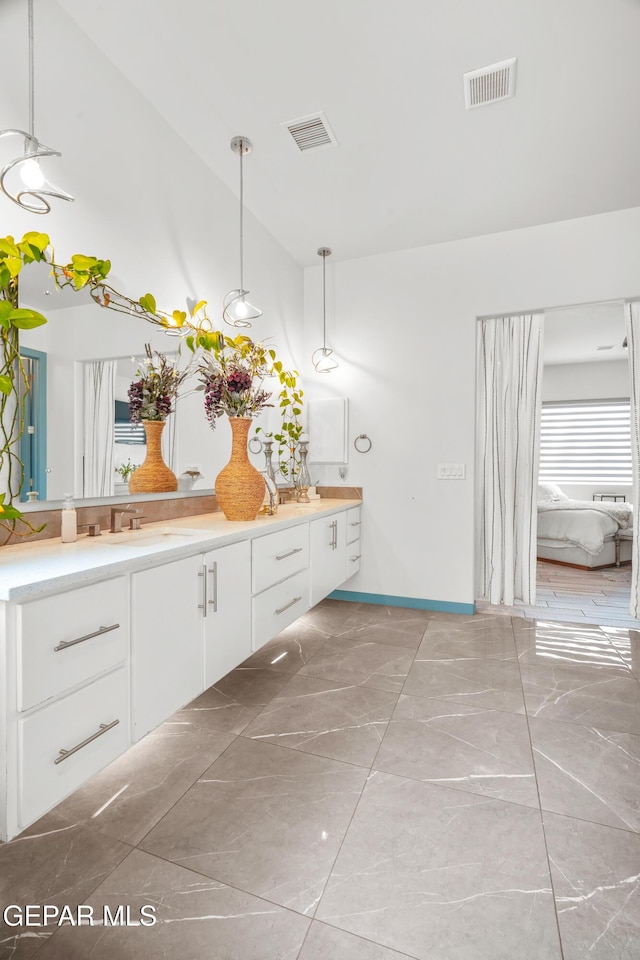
(82, 362)
(79, 334)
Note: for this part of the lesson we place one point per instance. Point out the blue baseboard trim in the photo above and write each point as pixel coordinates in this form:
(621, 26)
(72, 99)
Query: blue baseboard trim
(416, 603)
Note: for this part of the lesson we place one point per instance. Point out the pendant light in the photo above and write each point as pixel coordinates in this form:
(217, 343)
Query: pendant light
(236, 309)
(322, 358)
(31, 188)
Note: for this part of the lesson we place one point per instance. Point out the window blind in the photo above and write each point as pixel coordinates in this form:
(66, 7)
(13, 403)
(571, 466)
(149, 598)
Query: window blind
(585, 441)
(129, 433)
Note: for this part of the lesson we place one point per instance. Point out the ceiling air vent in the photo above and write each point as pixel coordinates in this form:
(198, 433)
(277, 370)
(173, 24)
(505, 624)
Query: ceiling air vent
(312, 132)
(489, 84)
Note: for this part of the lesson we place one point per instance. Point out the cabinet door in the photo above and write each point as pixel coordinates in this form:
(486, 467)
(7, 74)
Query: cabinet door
(227, 621)
(328, 555)
(167, 641)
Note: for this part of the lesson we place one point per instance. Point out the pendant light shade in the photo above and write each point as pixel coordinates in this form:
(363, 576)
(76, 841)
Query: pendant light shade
(237, 311)
(22, 179)
(322, 358)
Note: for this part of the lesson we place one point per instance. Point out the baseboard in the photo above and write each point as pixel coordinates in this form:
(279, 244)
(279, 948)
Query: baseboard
(415, 603)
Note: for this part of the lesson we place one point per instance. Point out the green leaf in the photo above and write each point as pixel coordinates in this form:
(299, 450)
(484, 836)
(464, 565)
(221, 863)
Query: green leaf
(35, 239)
(148, 302)
(190, 342)
(9, 513)
(198, 306)
(6, 385)
(80, 262)
(8, 247)
(27, 319)
(13, 265)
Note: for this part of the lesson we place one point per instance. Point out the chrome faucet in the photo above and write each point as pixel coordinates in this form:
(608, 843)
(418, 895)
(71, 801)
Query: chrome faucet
(116, 516)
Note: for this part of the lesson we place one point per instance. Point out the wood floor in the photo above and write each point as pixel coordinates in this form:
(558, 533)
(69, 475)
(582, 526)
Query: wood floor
(579, 596)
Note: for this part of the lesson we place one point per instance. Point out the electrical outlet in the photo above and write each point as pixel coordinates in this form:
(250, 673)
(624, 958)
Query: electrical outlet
(451, 471)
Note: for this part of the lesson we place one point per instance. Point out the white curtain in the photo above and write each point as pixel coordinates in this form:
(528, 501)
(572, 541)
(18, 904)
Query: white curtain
(99, 427)
(633, 343)
(509, 373)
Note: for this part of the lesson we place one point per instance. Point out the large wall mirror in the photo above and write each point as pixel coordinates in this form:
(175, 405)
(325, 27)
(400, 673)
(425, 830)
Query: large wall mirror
(68, 424)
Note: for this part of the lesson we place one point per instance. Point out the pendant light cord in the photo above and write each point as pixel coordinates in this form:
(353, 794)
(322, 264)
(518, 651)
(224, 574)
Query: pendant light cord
(31, 74)
(324, 302)
(241, 152)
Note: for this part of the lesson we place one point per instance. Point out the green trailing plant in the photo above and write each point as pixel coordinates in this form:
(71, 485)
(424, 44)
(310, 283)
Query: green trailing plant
(288, 437)
(14, 383)
(91, 273)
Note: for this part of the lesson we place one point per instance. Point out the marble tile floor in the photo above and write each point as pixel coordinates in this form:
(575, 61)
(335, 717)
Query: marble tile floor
(374, 784)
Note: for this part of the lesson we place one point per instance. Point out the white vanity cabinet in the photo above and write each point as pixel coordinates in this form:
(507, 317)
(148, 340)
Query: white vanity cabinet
(68, 710)
(190, 625)
(328, 554)
(114, 641)
(226, 600)
(280, 581)
(166, 640)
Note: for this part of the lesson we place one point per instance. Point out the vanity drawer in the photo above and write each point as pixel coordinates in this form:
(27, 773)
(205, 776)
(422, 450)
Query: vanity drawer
(92, 725)
(279, 606)
(353, 525)
(66, 639)
(353, 558)
(278, 555)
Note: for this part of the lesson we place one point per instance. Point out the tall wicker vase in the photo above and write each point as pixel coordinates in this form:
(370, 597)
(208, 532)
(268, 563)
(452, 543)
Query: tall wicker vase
(154, 476)
(239, 486)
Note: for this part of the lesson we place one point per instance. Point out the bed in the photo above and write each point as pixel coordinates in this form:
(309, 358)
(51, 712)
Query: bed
(582, 533)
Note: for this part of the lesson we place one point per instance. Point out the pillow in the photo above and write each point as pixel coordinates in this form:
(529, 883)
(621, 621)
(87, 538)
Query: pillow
(550, 491)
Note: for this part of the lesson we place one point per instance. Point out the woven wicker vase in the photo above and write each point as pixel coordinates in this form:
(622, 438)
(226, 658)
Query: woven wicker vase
(154, 476)
(239, 486)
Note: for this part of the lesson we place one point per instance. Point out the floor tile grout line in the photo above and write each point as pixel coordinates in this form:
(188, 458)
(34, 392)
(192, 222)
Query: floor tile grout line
(87, 896)
(190, 787)
(540, 807)
(359, 801)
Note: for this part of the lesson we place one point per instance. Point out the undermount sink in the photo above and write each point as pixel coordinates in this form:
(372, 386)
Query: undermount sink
(144, 538)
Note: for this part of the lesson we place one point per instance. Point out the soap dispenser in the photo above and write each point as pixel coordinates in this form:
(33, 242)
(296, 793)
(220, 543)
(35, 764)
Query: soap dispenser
(68, 520)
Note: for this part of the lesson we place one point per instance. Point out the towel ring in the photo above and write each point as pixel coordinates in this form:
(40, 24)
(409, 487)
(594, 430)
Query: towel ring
(254, 449)
(362, 438)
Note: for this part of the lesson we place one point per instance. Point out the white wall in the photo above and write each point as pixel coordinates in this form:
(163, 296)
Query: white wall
(404, 328)
(143, 200)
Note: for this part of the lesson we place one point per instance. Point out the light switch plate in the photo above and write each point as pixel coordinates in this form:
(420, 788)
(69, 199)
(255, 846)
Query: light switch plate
(451, 471)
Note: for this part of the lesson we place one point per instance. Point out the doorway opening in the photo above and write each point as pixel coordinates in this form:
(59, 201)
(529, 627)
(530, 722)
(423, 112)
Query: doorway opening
(33, 443)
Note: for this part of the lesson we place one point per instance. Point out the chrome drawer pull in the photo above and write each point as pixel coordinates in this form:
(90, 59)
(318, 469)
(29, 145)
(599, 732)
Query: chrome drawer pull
(282, 609)
(355, 523)
(334, 536)
(89, 636)
(64, 754)
(203, 606)
(357, 557)
(283, 556)
(214, 579)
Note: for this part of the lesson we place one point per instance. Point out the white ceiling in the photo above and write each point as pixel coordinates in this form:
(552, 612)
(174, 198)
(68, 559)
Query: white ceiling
(573, 334)
(412, 166)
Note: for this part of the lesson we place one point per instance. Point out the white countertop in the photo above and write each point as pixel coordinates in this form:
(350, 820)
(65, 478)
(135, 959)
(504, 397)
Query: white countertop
(28, 570)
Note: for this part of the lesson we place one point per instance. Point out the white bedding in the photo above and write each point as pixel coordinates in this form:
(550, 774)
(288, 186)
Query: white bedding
(582, 522)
